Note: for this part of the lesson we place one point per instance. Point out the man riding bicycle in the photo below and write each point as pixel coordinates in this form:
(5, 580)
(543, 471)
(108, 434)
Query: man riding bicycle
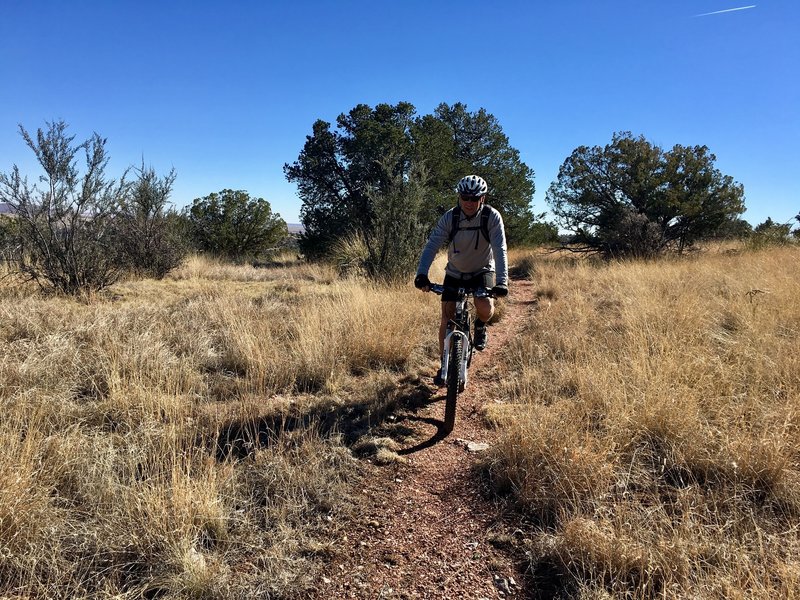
(476, 248)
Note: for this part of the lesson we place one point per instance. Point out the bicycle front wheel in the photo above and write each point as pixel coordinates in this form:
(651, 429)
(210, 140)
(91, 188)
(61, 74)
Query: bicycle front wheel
(453, 384)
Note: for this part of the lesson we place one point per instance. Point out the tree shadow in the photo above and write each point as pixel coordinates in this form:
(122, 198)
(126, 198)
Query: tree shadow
(239, 438)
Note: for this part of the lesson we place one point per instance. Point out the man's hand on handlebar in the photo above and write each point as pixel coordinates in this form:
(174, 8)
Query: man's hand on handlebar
(422, 282)
(500, 291)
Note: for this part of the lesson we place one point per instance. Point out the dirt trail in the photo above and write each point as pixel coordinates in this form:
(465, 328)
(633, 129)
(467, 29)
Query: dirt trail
(431, 532)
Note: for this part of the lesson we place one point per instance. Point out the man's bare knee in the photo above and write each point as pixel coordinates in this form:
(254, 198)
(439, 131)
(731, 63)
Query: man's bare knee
(485, 308)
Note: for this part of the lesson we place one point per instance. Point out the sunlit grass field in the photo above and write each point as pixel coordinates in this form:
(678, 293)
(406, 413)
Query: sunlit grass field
(652, 427)
(185, 438)
(194, 437)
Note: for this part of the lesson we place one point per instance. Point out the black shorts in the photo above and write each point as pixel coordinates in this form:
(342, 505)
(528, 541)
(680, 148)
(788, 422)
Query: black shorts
(484, 280)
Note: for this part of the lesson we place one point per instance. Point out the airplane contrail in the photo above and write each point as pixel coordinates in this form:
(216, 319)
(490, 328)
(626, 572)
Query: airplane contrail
(719, 12)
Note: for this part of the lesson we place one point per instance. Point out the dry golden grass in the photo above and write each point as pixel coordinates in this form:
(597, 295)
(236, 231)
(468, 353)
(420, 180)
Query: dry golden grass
(184, 438)
(188, 438)
(653, 421)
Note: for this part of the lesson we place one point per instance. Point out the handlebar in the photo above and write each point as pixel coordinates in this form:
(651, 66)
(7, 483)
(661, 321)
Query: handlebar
(439, 289)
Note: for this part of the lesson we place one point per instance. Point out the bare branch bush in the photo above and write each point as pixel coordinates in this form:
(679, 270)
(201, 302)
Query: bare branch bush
(65, 233)
(78, 232)
(397, 233)
(148, 231)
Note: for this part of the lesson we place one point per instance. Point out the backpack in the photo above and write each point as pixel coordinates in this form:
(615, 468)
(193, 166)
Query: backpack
(484, 226)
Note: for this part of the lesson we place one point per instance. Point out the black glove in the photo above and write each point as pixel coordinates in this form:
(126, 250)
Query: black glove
(500, 291)
(421, 281)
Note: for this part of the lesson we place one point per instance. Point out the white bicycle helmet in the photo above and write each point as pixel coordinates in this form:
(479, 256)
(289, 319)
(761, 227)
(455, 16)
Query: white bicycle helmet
(472, 185)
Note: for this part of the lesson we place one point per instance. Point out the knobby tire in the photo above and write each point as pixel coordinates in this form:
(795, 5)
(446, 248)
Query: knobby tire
(453, 370)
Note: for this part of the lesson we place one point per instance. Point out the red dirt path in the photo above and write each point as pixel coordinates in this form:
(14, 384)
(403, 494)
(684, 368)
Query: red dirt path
(430, 528)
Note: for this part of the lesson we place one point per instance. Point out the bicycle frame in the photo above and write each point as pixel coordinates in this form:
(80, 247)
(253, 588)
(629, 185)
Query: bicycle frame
(458, 338)
(459, 326)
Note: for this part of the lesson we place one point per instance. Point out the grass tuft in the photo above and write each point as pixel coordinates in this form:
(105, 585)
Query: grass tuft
(652, 427)
(187, 438)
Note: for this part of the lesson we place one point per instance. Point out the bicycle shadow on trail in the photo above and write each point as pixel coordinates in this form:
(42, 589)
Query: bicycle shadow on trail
(240, 438)
(421, 401)
(437, 437)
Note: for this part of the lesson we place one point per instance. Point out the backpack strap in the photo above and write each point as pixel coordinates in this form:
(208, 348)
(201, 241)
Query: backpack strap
(456, 217)
(485, 222)
(484, 225)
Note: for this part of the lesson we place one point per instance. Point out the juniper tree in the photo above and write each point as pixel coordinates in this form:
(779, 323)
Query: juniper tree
(631, 198)
(341, 170)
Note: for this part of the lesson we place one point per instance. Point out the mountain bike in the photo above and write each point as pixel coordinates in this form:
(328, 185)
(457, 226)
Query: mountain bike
(458, 347)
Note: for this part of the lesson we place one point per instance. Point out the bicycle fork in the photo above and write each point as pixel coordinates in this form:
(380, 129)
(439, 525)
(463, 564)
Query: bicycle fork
(462, 375)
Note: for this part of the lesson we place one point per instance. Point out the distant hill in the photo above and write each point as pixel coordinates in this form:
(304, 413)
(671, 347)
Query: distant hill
(295, 228)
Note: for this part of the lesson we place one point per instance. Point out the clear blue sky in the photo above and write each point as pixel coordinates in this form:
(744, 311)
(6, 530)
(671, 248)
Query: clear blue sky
(227, 92)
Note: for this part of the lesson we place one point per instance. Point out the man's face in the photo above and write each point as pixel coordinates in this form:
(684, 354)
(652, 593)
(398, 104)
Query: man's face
(470, 204)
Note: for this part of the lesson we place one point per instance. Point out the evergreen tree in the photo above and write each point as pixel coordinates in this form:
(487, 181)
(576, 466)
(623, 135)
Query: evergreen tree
(234, 225)
(341, 172)
(631, 198)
